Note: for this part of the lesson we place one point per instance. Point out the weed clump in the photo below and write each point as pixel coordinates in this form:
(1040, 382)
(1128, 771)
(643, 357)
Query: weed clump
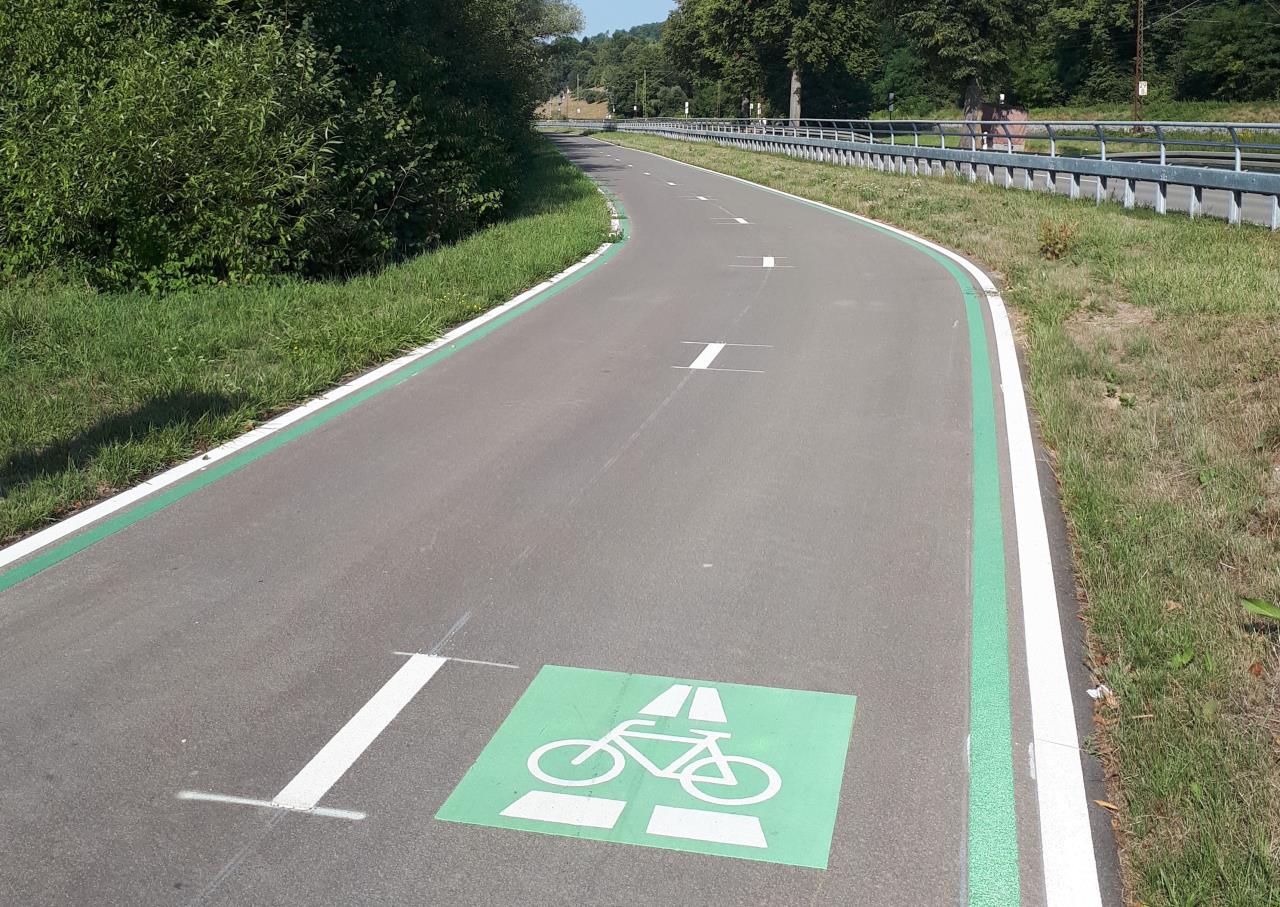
(1057, 239)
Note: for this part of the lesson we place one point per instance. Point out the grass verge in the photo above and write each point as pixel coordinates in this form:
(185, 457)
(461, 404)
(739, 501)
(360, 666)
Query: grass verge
(1154, 352)
(98, 391)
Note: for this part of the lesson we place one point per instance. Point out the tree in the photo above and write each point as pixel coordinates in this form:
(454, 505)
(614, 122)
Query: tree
(161, 143)
(747, 42)
(817, 35)
(969, 42)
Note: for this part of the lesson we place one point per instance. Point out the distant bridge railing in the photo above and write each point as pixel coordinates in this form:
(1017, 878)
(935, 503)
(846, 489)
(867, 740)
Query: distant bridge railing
(1236, 159)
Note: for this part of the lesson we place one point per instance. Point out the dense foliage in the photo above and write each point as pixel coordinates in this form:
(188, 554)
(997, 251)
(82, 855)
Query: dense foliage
(167, 142)
(724, 55)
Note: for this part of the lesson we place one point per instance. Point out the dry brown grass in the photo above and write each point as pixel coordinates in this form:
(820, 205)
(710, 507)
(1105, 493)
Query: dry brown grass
(574, 108)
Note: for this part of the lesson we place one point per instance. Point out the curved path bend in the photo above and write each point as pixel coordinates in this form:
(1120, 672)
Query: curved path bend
(696, 582)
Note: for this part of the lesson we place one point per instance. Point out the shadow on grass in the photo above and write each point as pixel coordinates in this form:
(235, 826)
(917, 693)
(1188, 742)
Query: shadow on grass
(1269, 629)
(549, 183)
(182, 408)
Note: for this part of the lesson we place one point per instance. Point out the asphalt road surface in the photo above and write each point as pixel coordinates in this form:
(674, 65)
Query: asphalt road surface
(687, 585)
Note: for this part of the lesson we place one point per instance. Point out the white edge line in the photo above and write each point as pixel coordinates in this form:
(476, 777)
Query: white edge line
(1066, 839)
(325, 811)
(98, 512)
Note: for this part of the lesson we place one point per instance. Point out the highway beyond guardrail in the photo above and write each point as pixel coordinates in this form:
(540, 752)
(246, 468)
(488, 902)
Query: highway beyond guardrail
(1227, 170)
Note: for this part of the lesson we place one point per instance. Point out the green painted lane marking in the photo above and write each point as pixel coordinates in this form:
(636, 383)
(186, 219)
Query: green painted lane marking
(993, 827)
(713, 768)
(994, 875)
(162, 499)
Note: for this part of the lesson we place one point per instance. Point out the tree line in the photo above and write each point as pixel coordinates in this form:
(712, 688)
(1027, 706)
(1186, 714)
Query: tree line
(160, 143)
(843, 58)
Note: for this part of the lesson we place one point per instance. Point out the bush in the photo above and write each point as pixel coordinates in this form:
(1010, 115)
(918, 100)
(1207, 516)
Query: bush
(141, 154)
(173, 142)
(1057, 239)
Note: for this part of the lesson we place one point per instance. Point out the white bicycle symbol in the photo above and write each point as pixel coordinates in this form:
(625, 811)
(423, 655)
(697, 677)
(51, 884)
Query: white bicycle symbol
(684, 769)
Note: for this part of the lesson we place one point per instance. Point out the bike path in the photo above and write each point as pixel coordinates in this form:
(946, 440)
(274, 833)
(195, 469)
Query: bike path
(795, 515)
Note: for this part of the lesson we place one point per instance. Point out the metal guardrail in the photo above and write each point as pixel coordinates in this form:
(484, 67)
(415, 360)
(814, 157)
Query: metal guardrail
(996, 150)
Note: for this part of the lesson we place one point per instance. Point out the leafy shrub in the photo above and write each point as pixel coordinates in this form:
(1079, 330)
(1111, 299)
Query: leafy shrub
(163, 143)
(141, 154)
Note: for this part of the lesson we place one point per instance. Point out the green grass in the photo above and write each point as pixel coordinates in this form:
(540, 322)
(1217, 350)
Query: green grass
(1154, 352)
(98, 391)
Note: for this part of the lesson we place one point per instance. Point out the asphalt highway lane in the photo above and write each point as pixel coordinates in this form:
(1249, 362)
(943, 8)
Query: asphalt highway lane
(741, 451)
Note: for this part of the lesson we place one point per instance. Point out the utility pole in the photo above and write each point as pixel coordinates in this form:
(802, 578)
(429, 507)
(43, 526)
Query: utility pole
(1137, 69)
(646, 94)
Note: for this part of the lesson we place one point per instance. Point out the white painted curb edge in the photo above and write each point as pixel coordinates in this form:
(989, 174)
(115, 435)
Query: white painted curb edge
(74, 523)
(1070, 865)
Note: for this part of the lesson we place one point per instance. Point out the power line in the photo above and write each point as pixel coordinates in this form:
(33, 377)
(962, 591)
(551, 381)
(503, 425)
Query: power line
(1177, 11)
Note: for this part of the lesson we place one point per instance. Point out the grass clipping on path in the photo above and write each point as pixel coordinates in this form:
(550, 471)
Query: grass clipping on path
(1154, 352)
(98, 391)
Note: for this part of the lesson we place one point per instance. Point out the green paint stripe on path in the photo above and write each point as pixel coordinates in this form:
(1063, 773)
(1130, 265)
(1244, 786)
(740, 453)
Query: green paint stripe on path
(993, 835)
(162, 499)
(994, 875)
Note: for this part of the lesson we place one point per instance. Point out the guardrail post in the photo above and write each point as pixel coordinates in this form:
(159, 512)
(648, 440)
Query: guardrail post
(1073, 190)
(1028, 179)
(1130, 192)
(1275, 212)
(1234, 205)
(1162, 197)
(1195, 205)
(1008, 176)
